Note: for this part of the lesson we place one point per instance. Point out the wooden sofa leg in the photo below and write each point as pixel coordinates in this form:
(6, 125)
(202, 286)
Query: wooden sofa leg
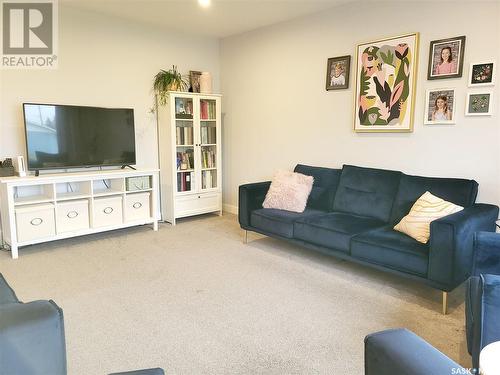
(445, 303)
(245, 237)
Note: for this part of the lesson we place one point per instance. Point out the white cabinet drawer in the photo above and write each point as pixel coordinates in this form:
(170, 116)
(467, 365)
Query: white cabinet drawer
(197, 204)
(108, 211)
(35, 222)
(72, 216)
(137, 206)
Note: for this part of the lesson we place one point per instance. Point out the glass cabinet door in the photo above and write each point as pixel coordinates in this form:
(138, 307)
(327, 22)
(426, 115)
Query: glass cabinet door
(184, 140)
(208, 143)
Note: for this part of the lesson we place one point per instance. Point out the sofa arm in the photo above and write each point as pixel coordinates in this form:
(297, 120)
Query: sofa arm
(150, 371)
(251, 197)
(32, 339)
(400, 351)
(486, 253)
(451, 245)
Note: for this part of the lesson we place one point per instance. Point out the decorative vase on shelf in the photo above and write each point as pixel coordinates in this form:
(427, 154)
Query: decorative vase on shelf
(206, 83)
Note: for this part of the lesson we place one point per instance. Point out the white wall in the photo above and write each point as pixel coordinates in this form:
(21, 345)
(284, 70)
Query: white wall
(277, 112)
(107, 62)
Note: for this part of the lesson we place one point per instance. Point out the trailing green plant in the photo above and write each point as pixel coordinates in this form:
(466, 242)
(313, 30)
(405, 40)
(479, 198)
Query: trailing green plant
(168, 80)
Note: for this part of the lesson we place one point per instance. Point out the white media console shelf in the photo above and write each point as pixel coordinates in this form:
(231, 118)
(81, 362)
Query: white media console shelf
(56, 206)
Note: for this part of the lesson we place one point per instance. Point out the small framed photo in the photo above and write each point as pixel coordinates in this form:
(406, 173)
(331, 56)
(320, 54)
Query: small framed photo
(482, 74)
(337, 72)
(479, 104)
(440, 106)
(194, 81)
(446, 58)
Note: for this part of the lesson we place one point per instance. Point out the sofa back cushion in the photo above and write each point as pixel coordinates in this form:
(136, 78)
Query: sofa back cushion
(367, 192)
(456, 190)
(324, 186)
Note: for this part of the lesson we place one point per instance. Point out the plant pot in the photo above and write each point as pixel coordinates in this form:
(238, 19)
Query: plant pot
(174, 86)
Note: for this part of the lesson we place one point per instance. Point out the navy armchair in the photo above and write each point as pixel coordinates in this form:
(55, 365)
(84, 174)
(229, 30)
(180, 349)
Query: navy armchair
(482, 310)
(399, 351)
(32, 337)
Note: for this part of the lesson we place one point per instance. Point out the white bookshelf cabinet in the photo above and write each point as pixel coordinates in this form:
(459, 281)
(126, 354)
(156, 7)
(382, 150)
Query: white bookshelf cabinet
(56, 206)
(190, 155)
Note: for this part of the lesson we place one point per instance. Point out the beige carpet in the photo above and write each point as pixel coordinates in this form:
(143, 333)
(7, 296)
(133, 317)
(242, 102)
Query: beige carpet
(194, 299)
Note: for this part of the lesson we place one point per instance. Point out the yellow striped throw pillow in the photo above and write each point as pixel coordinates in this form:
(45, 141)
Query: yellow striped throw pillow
(427, 208)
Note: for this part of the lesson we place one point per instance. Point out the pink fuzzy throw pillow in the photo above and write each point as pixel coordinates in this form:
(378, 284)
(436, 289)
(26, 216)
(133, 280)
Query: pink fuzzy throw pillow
(289, 191)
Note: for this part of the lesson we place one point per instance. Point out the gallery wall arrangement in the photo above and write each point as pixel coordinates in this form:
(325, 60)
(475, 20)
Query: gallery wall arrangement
(386, 83)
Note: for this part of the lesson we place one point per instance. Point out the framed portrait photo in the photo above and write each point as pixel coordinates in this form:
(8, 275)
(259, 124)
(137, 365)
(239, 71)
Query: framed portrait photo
(337, 72)
(385, 84)
(440, 106)
(482, 74)
(194, 80)
(446, 58)
(479, 104)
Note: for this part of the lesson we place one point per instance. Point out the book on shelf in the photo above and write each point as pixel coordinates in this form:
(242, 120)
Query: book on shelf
(184, 181)
(207, 110)
(209, 179)
(184, 135)
(185, 160)
(208, 135)
(208, 158)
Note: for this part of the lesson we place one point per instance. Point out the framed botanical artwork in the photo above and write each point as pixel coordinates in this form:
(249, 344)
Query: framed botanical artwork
(385, 84)
(337, 72)
(440, 106)
(482, 74)
(446, 58)
(479, 104)
(194, 80)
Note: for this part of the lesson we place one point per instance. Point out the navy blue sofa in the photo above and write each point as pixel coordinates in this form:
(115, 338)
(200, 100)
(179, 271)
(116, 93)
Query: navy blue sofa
(351, 213)
(482, 302)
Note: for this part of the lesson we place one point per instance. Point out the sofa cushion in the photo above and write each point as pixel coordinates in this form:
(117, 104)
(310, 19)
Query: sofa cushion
(367, 192)
(333, 230)
(458, 191)
(7, 295)
(279, 222)
(427, 208)
(288, 191)
(389, 248)
(324, 186)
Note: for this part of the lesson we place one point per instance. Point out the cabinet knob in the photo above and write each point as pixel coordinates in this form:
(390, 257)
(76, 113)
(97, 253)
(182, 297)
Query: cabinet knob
(108, 210)
(36, 221)
(72, 214)
(137, 205)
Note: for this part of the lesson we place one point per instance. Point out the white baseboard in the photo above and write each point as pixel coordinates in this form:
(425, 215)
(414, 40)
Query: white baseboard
(230, 208)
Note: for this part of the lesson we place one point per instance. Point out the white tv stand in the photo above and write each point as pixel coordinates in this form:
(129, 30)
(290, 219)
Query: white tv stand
(56, 206)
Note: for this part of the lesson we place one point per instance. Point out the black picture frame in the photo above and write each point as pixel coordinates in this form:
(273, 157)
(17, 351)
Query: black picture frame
(345, 63)
(194, 81)
(455, 46)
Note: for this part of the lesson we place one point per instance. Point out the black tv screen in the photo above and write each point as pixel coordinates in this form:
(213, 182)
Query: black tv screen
(65, 136)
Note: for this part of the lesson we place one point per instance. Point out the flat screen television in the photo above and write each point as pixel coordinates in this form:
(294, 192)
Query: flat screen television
(68, 136)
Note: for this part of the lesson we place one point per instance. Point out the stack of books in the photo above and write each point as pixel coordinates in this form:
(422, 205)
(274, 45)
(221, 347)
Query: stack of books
(208, 159)
(208, 135)
(184, 181)
(184, 135)
(207, 109)
(209, 179)
(185, 160)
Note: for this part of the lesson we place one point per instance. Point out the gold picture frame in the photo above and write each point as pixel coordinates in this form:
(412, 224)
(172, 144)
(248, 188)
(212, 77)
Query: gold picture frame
(386, 77)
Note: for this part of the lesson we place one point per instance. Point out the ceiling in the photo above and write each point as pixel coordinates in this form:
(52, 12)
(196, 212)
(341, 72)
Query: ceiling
(221, 19)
